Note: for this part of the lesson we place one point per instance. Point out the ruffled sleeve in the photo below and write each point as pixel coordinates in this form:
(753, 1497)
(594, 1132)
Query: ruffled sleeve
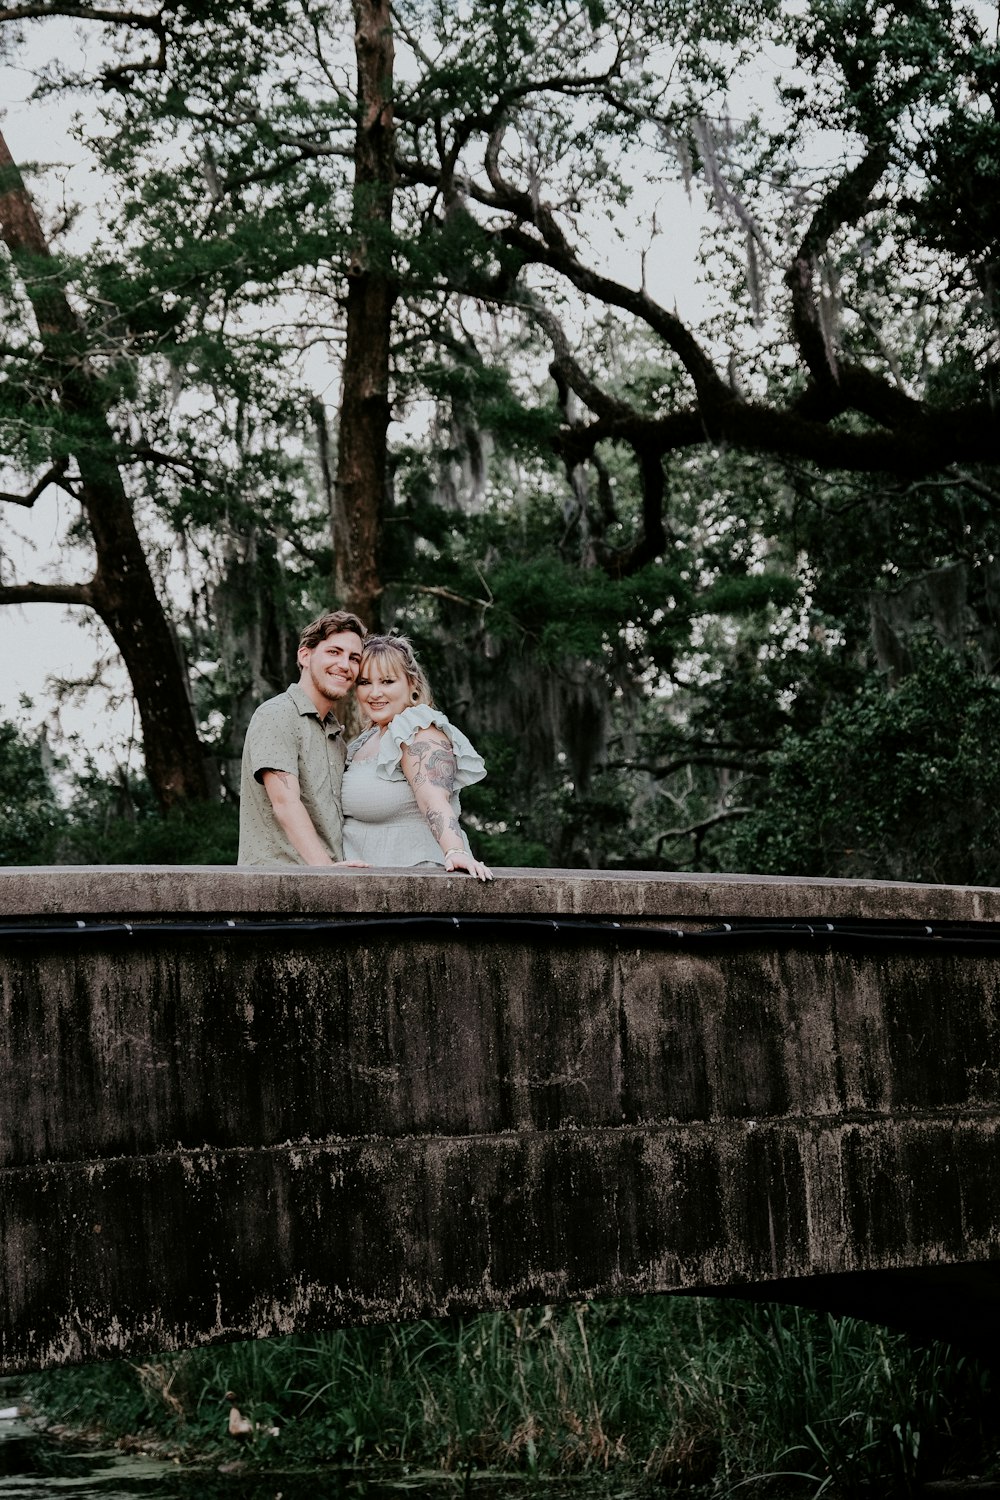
(388, 762)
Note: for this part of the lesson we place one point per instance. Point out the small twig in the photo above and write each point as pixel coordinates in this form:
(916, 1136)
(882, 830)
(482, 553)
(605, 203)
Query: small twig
(696, 830)
(451, 596)
(668, 768)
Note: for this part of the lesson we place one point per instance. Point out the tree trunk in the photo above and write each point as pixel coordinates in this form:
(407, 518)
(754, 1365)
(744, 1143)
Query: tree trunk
(362, 469)
(122, 590)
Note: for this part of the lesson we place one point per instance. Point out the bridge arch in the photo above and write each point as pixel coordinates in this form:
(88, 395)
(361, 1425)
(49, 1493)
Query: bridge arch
(239, 1104)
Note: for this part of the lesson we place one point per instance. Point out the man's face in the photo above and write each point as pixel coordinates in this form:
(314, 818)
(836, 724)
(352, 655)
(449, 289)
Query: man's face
(332, 666)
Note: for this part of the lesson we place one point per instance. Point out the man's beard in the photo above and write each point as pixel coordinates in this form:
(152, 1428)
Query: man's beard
(325, 688)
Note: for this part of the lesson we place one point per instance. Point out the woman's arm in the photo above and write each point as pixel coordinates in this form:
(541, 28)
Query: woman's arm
(428, 762)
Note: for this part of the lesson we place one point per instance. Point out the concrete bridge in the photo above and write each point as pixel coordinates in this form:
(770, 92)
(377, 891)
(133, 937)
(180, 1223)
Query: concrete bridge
(238, 1104)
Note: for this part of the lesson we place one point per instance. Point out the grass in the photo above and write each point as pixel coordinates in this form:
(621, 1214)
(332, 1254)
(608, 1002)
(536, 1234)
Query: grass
(675, 1394)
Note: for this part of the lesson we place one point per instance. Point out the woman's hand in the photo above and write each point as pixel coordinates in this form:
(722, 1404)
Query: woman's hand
(458, 859)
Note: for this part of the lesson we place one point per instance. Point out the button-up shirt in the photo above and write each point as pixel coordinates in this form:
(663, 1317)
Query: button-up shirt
(287, 734)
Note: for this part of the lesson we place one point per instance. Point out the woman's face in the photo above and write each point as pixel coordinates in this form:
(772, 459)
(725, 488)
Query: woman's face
(383, 689)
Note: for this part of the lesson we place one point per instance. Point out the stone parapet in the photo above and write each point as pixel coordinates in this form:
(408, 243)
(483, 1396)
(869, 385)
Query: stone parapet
(302, 1119)
(110, 890)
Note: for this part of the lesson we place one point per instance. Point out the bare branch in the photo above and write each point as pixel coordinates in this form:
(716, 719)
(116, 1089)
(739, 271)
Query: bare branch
(913, 440)
(412, 40)
(975, 485)
(550, 247)
(122, 75)
(33, 10)
(571, 370)
(967, 435)
(147, 454)
(712, 389)
(303, 151)
(47, 593)
(844, 203)
(51, 476)
(418, 112)
(38, 9)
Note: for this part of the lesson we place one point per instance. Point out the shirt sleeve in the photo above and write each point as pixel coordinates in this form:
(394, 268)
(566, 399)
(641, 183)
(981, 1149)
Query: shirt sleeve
(271, 743)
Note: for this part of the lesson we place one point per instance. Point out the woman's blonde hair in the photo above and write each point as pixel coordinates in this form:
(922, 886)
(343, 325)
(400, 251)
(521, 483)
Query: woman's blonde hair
(395, 653)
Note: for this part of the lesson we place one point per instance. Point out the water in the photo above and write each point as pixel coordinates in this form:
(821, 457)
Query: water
(34, 1467)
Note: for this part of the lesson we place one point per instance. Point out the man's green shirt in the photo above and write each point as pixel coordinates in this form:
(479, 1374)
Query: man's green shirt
(287, 734)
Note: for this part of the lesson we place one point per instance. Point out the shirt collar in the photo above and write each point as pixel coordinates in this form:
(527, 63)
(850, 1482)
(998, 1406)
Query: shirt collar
(306, 706)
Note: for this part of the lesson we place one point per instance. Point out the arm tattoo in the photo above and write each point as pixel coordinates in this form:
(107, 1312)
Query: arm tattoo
(431, 769)
(435, 765)
(439, 824)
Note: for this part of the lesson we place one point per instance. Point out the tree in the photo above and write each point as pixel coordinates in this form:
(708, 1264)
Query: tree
(832, 392)
(363, 468)
(668, 570)
(73, 406)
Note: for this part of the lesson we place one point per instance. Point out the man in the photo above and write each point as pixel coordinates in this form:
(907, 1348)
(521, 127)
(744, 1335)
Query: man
(293, 758)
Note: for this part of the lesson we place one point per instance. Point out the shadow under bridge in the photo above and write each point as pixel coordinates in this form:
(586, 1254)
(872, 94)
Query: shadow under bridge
(239, 1104)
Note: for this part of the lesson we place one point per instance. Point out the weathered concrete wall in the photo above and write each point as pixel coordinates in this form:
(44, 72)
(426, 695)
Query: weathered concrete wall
(206, 1138)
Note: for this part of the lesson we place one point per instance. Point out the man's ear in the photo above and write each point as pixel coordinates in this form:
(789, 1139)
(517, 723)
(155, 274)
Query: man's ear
(302, 657)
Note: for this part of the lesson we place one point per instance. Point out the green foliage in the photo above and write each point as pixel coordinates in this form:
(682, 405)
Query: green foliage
(31, 819)
(679, 1392)
(98, 819)
(506, 831)
(117, 822)
(555, 611)
(738, 595)
(901, 784)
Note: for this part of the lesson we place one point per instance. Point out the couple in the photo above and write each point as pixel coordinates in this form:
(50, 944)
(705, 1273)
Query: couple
(390, 797)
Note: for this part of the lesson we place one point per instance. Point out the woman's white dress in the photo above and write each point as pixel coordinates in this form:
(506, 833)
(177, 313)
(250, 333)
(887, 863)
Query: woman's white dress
(382, 823)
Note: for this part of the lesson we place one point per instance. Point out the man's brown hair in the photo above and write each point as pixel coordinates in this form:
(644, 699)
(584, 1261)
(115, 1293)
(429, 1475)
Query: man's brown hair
(334, 622)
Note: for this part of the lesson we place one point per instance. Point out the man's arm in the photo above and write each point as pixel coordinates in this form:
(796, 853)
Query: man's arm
(282, 789)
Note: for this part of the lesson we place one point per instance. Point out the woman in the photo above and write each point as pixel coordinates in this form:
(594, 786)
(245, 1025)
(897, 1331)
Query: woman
(403, 773)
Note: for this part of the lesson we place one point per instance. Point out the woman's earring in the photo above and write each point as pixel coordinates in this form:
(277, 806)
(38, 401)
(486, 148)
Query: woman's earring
(414, 696)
